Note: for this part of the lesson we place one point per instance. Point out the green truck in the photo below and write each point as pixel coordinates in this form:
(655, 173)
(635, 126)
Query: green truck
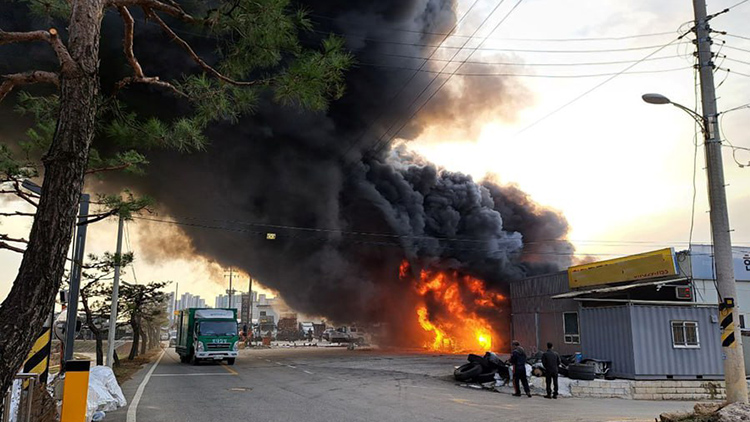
(207, 334)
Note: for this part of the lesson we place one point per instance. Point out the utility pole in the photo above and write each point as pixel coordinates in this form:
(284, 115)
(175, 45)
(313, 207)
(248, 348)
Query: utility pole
(734, 364)
(230, 292)
(115, 291)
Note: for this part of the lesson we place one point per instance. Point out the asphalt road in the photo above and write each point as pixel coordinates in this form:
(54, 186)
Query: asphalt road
(334, 384)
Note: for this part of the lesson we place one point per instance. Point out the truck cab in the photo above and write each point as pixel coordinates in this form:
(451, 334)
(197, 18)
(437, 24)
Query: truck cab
(207, 334)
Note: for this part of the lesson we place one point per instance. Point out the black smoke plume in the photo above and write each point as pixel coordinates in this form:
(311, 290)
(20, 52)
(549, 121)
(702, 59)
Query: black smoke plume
(345, 206)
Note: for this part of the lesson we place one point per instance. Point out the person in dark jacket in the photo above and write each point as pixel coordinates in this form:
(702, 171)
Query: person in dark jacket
(518, 360)
(551, 362)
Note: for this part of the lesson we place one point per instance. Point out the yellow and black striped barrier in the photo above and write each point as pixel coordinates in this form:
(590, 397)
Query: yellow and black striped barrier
(726, 319)
(37, 362)
(75, 391)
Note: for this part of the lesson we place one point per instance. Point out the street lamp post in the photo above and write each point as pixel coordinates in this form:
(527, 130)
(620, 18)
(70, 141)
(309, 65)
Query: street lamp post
(731, 342)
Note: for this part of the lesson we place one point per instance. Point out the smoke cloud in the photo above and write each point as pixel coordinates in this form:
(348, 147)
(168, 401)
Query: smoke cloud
(345, 207)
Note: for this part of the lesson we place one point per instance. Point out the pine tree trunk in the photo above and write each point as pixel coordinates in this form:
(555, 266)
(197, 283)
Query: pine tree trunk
(144, 341)
(32, 296)
(136, 337)
(96, 331)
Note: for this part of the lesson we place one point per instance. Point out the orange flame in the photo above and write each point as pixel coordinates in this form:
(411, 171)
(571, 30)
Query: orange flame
(461, 305)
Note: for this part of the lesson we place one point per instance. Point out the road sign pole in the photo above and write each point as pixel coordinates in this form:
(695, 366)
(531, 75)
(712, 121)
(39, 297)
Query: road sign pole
(75, 277)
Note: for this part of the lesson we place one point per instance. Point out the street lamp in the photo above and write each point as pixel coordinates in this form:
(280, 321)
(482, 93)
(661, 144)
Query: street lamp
(731, 341)
(659, 99)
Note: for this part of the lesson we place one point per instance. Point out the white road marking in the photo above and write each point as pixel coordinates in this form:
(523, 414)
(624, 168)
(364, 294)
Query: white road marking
(193, 375)
(292, 366)
(307, 372)
(139, 392)
(278, 363)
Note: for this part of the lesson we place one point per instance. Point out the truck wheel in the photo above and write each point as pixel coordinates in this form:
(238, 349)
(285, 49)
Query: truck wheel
(193, 359)
(183, 358)
(230, 361)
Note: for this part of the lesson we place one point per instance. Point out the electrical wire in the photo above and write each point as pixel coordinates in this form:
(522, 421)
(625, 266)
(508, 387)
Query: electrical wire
(370, 242)
(401, 89)
(524, 64)
(510, 50)
(263, 228)
(528, 75)
(614, 38)
(594, 88)
(380, 144)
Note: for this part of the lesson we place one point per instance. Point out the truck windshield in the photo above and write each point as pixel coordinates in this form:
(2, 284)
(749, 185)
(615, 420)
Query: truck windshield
(217, 328)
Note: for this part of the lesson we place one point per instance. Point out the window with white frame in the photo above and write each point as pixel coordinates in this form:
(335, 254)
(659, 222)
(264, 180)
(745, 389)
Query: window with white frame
(571, 328)
(685, 334)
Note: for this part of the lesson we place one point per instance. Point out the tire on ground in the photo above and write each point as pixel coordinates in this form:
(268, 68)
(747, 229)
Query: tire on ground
(484, 377)
(230, 361)
(578, 371)
(467, 371)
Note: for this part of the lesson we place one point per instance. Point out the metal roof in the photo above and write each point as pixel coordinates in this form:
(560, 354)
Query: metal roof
(609, 289)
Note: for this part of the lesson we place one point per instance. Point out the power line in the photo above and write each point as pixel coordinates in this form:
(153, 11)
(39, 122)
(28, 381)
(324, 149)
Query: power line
(527, 75)
(594, 88)
(380, 144)
(510, 50)
(524, 64)
(268, 226)
(383, 243)
(613, 38)
(382, 113)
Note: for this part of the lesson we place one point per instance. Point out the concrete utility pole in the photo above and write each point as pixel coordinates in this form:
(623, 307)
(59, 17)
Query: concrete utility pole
(115, 291)
(734, 364)
(230, 292)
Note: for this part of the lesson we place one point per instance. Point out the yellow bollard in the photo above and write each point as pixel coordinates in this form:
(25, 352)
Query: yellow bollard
(75, 391)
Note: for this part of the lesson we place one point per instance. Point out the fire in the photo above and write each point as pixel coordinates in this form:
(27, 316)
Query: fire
(456, 310)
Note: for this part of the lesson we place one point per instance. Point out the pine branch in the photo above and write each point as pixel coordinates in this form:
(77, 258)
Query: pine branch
(111, 168)
(10, 81)
(67, 64)
(127, 41)
(172, 9)
(185, 46)
(16, 214)
(151, 80)
(4, 245)
(5, 237)
(127, 46)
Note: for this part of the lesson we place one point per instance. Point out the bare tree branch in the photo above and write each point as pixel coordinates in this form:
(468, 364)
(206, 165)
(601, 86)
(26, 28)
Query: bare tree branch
(98, 217)
(185, 46)
(32, 77)
(150, 80)
(17, 213)
(67, 64)
(112, 168)
(172, 9)
(138, 75)
(4, 245)
(127, 41)
(7, 238)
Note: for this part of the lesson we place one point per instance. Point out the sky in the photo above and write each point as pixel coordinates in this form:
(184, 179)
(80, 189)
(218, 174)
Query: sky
(619, 169)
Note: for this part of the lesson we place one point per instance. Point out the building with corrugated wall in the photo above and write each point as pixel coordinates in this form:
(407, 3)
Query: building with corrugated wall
(640, 340)
(636, 312)
(536, 318)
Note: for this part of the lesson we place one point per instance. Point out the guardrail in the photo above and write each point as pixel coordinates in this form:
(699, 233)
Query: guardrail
(20, 410)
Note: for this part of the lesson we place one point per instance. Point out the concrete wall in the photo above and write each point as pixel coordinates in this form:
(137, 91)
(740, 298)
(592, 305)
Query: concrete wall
(536, 317)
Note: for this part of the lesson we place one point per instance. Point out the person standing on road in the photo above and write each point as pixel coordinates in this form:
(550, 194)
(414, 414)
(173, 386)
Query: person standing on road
(551, 362)
(518, 360)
